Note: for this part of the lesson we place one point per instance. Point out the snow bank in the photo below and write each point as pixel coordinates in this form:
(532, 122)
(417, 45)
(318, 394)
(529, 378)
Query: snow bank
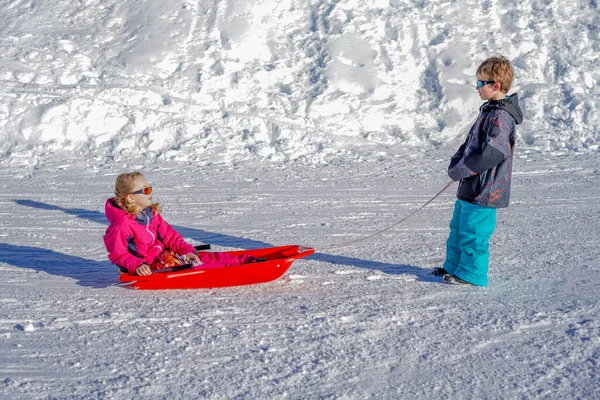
(260, 80)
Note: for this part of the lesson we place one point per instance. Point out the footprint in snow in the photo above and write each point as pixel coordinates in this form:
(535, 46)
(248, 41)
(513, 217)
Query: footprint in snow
(28, 327)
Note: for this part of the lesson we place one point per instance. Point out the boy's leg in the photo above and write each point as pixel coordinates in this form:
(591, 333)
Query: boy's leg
(477, 225)
(453, 242)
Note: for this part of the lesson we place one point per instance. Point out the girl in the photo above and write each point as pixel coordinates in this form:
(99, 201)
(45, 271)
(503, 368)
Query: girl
(140, 240)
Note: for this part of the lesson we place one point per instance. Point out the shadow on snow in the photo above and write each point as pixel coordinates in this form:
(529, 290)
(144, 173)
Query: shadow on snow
(86, 272)
(66, 265)
(217, 239)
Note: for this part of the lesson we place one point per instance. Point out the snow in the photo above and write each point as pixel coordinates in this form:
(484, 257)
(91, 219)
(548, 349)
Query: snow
(263, 123)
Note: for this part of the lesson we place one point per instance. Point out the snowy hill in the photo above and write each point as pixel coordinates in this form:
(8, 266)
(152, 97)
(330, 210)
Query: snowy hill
(280, 80)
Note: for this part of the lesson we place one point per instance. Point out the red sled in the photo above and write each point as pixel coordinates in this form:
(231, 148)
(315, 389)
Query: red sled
(278, 261)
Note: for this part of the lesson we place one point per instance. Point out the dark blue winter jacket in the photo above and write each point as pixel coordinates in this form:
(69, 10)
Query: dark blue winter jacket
(483, 164)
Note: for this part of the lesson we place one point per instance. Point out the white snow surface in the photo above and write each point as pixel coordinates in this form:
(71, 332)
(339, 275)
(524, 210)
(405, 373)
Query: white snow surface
(263, 123)
(363, 321)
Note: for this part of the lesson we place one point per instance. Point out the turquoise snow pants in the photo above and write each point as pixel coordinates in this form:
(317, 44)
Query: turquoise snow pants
(467, 247)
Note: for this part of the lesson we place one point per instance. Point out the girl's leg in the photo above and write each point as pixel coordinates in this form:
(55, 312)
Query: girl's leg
(453, 242)
(218, 259)
(477, 225)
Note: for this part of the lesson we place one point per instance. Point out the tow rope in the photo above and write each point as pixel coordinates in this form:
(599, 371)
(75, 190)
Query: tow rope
(348, 243)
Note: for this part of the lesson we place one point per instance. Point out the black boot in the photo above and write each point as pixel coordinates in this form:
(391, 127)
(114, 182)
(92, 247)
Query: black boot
(455, 280)
(439, 271)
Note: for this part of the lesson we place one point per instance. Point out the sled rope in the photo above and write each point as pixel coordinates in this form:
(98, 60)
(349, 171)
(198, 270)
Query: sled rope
(348, 243)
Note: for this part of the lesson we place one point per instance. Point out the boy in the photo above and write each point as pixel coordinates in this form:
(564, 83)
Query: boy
(483, 165)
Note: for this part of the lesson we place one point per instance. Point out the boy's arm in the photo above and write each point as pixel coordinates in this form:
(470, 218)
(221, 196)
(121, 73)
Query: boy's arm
(491, 153)
(457, 156)
(457, 169)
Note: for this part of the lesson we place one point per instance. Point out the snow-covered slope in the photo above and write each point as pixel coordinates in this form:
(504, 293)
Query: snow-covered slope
(278, 80)
(363, 321)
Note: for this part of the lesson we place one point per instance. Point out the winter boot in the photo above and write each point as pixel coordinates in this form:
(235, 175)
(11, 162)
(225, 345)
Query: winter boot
(455, 280)
(439, 271)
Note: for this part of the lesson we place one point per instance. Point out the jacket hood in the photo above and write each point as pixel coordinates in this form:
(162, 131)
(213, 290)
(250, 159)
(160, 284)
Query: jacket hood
(113, 211)
(510, 104)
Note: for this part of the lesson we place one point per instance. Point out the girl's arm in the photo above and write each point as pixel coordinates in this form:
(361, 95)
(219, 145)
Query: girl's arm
(172, 239)
(115, 241)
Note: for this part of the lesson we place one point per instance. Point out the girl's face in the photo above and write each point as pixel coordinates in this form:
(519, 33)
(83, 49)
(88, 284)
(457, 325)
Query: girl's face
(141, 199)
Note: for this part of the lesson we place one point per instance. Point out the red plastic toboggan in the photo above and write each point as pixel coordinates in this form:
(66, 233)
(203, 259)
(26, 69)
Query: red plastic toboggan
(278, 261)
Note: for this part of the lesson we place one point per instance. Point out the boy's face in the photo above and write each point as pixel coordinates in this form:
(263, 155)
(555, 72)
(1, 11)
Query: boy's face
(491, 91)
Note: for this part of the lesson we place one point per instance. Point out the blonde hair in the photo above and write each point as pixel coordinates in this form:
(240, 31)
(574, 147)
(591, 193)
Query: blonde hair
(498, 69)
(124, 187)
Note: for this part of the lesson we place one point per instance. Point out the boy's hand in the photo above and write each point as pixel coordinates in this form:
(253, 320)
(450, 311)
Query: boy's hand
(143, 270)
(191, 258)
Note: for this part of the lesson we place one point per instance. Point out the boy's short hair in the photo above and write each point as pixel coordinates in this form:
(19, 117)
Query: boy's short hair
(498, 69)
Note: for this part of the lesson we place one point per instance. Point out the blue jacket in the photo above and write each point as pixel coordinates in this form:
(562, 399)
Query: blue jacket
(483, 164)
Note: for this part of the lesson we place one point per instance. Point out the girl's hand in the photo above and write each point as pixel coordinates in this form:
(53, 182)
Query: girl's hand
(143, 270)
(192, 258)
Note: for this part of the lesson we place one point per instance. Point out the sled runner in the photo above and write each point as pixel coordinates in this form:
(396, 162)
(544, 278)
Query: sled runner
(277, 261)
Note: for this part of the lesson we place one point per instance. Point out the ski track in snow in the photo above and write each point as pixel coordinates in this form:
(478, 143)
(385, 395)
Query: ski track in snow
(361, 321)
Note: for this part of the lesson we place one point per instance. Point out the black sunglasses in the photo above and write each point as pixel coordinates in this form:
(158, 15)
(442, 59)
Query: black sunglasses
(146, 190)
(481, 83)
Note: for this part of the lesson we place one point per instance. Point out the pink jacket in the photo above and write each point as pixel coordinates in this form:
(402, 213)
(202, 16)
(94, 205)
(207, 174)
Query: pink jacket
(132, 240)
